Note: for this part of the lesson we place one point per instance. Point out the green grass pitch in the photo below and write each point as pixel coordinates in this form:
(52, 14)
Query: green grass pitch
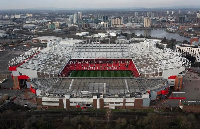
(101, 74)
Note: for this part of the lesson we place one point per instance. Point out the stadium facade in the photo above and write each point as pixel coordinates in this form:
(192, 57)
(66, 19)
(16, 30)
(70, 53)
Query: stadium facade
(47, 73)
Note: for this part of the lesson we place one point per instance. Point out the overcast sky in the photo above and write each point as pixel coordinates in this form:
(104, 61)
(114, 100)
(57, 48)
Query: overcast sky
(68, 4)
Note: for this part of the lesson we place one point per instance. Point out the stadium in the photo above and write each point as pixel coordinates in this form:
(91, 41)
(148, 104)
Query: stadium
(72, 73)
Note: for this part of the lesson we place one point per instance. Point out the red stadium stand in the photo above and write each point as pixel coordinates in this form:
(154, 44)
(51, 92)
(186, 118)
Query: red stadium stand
(100, 64)
(33, 90)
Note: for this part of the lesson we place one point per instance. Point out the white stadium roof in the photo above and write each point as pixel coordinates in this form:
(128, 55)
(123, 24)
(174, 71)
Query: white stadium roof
(147, 58)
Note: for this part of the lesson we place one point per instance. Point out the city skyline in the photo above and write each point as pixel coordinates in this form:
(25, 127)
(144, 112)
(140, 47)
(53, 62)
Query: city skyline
(76, 4)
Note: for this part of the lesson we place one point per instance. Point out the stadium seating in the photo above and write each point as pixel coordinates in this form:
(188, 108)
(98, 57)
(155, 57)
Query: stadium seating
(100, 64)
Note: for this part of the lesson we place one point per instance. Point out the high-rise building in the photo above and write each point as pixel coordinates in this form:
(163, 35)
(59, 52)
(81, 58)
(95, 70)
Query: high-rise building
(148, 14)
(141, 19)
(104, 18)
(179, 11)
(152, 15)
(167, 12)
(125, 20)
(51, 26)
(91, 16)
(79, 15)
(71, 17)
(117, 21)
(198, 15)
(153, 21)
(75, 18)
(198, 18)
(129, 19)
(181, 19)
(57, 24)
(136, 14)
(147, 22)
(172, 12)
(136, 20)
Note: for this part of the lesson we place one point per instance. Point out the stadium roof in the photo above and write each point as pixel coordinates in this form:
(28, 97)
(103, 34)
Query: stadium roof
(96, 50)
(147, 58)
(150, 59)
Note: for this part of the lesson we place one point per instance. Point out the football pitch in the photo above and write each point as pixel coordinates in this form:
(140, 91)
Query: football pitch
(101, 74)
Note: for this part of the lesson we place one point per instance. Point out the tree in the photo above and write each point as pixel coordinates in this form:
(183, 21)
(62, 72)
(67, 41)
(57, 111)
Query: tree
(133, 35)
(141, 36)
(121, 123)
(66, 120)
(92, 122)
(173, 40)
(108, 115)
(72, 28)
(159, 46)
(92, 31)
(191, 118)
(79, 126)
(153, 120)
(75, 121)
(185, 42)
(183, 123)
(125, 34)
(164, 40)
(171, 44)
(4, 45)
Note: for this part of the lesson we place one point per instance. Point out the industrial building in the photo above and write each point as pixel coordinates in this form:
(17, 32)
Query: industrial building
(47, 73)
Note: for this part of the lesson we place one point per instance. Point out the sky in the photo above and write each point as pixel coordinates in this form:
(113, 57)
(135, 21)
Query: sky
(73, 4)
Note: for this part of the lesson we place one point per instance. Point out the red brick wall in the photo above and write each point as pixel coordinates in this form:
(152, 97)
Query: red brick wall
(138, 103)
(194, 39)
(67, 103)
(95, 103)
(191, 108)
(101, 102)
(39, 101)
